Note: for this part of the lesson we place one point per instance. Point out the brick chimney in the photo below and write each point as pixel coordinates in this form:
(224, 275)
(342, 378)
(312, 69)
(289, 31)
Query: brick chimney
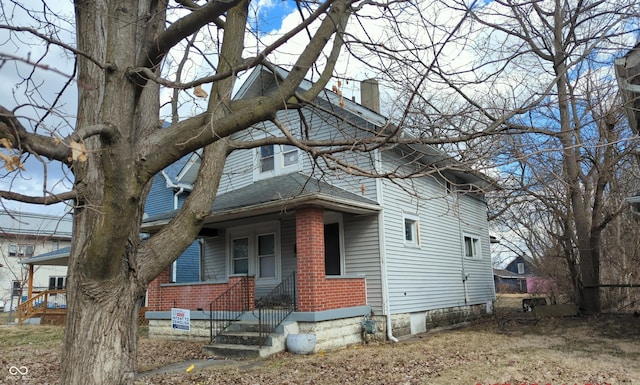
(370, 94)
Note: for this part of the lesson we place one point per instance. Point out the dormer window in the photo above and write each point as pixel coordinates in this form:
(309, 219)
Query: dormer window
(267, 161)
(276, 160)
(290, 155)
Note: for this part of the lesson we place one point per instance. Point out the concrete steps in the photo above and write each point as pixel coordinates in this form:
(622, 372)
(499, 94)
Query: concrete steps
(242, 339)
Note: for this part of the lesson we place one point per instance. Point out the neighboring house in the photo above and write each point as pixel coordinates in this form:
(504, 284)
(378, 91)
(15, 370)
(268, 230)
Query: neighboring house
(22, 236)
(413, 253)
(628, 75)
(169, 193)
(513, 278)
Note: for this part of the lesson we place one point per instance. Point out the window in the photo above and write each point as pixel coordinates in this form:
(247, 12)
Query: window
(276, 159)
(290, 155)
(267, 256)
(520, 268)
(240, 256)
(471, 247)
(57, 283)
(255, 250)
(22, 251)
(55, 245)
(449, 187)
(267, 159)
(411, 230)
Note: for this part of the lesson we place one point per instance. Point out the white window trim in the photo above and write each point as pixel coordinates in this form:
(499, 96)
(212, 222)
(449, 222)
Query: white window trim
(477, 250)
(415, 219)
(258, 256)
(252, 233)
(278, 163)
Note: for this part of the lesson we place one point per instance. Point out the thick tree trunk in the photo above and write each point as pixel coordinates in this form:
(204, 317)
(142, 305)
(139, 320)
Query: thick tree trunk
(103, 293)
(100, 334)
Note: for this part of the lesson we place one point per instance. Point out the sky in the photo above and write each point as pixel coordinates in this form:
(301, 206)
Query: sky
(270, 18)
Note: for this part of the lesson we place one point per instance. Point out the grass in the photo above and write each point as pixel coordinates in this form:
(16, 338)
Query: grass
(36, 335)
(571, 350)
(4, 317)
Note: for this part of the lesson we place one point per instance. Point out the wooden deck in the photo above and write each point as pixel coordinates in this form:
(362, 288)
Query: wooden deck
(43, 303)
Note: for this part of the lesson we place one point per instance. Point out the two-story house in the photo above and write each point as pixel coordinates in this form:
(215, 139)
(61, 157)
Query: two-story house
(22, 236)
(513, 278)
(335, 246)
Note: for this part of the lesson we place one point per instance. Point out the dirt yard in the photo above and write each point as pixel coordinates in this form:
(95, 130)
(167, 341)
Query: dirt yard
(497, 350)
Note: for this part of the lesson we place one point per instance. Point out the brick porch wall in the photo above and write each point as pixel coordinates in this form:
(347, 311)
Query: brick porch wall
(316, 292)
(190, 296)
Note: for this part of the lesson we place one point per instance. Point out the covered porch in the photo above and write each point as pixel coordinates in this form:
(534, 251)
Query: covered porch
(49, 304)
(282, 250)
(303, 283)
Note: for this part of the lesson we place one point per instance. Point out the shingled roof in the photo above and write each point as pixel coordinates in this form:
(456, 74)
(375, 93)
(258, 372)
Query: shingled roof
(275, 195)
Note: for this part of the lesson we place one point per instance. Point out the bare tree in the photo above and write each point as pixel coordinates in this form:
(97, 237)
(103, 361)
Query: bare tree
(566, 170)
(127, 53)
(537, 75)
(116, 144)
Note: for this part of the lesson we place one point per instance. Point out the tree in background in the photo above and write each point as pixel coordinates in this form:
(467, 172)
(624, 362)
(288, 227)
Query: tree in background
(535, 87)
(460, 74)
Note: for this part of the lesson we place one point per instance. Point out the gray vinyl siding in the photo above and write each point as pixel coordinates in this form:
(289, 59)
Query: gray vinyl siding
(288, 261)
(321, 129)
(430, 276)
(238, 171)
(362, 254)
(241, 164)
(480, 282)
(214, 266)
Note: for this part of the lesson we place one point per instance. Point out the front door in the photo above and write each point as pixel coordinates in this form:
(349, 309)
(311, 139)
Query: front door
(254, 250)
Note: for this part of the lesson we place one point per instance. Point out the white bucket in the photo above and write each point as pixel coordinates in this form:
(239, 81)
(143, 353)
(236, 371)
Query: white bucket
(301, 343)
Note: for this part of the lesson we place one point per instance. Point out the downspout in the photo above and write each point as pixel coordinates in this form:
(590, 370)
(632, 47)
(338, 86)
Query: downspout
(174, 264)
(383, 258)
(181, 188)
(464, 274)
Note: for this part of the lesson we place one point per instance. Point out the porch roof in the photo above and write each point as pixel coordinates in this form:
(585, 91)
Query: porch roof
(272, 195)
(58, 257)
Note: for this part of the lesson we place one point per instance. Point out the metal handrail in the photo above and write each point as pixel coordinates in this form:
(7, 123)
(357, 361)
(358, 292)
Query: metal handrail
(229, 307)
(274, 307)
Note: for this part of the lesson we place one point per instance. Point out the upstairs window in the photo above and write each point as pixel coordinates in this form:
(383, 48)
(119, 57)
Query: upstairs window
(290, 155)
(22, 251)
(471, 247)
(267, 159)
(277, 160)
(520, 268)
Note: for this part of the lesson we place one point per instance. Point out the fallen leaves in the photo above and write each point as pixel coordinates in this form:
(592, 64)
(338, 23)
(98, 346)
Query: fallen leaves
(572, 350)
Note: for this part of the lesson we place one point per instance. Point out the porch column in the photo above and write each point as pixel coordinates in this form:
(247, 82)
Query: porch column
(30, 286)
(310, 258)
